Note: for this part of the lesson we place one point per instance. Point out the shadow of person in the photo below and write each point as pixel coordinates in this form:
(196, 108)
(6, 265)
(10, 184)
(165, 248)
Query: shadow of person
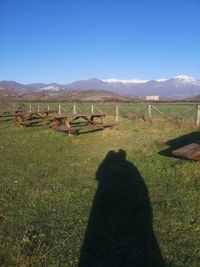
(119, 231)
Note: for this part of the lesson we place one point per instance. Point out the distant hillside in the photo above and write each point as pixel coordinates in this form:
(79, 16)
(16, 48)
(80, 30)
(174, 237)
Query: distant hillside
(94, 95)
(12, 87)
(177, 88)
(194, 98)
(87, 95)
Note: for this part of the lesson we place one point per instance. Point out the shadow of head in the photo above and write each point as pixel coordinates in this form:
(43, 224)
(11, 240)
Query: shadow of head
(118, 171)
(113, 157)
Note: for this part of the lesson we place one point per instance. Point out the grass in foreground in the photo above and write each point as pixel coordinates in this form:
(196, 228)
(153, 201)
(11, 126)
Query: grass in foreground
(48, 185)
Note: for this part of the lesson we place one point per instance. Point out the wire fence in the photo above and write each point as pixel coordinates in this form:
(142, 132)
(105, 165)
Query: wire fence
(187, 112)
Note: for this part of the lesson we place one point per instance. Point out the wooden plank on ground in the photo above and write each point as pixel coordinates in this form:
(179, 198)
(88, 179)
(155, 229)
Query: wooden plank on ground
(29, 122)
(191, 151)
(79, 128)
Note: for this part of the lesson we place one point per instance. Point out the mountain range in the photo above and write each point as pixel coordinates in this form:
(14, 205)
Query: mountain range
(179, 87)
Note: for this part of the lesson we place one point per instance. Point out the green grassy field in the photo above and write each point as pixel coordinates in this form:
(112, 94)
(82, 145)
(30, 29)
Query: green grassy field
(49, 193)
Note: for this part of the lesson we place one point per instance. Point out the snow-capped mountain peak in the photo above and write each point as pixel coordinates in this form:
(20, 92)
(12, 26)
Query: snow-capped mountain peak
(184, 79)
(161, 80)
(115, 80)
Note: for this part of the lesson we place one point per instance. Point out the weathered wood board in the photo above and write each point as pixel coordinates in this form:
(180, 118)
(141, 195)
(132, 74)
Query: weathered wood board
(86, 127)
(191, 151)
(26, 118)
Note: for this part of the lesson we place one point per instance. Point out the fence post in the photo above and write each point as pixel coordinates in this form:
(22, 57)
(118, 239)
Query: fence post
(117, 113)
(13, 107)
(149, 110)
(59, 109)
(92, 109)
(74, 109)
(198, 115)
(30, 108)
(48, 107)
(38, 107)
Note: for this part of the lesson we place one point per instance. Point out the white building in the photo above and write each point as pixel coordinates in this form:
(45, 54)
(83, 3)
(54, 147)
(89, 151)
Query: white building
(152, 98)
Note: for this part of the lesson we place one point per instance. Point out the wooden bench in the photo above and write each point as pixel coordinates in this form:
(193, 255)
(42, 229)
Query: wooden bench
(6, 116)
(25, 118)
(191, 151)
(76, 129)
(30, 122)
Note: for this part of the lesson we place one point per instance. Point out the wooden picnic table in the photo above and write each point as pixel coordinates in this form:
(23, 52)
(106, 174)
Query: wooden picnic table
(6, 116)
(25, 118)
(73, 123)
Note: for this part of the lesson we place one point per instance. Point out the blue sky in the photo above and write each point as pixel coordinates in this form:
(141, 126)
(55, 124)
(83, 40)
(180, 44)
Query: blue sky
(66, 40)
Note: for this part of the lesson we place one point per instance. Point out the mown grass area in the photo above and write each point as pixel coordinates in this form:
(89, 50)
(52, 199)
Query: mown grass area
(49, 187)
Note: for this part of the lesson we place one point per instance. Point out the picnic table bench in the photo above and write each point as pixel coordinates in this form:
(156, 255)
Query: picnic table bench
(6, 115)
(191, 151)
(26, 118)
(73, 123)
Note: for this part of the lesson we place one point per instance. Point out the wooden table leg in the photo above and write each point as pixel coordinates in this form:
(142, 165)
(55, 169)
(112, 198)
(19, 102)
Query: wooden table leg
(19, 120)
(67, 123)
(102, 119)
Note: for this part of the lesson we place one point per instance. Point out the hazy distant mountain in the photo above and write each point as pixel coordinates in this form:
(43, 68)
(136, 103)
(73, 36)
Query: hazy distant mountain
(179, 87)
(75, 95)
(91, 84)
(93, 95)
(35, 86)
(12, 87)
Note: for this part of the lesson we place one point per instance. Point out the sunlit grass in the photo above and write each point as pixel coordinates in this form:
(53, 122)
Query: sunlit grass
(48, 184)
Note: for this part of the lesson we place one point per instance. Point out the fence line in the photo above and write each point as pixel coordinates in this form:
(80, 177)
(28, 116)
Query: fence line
(162, 113)
(119, 111)
(198, 116)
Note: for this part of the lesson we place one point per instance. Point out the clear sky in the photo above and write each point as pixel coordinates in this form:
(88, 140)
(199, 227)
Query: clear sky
(66, 40)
